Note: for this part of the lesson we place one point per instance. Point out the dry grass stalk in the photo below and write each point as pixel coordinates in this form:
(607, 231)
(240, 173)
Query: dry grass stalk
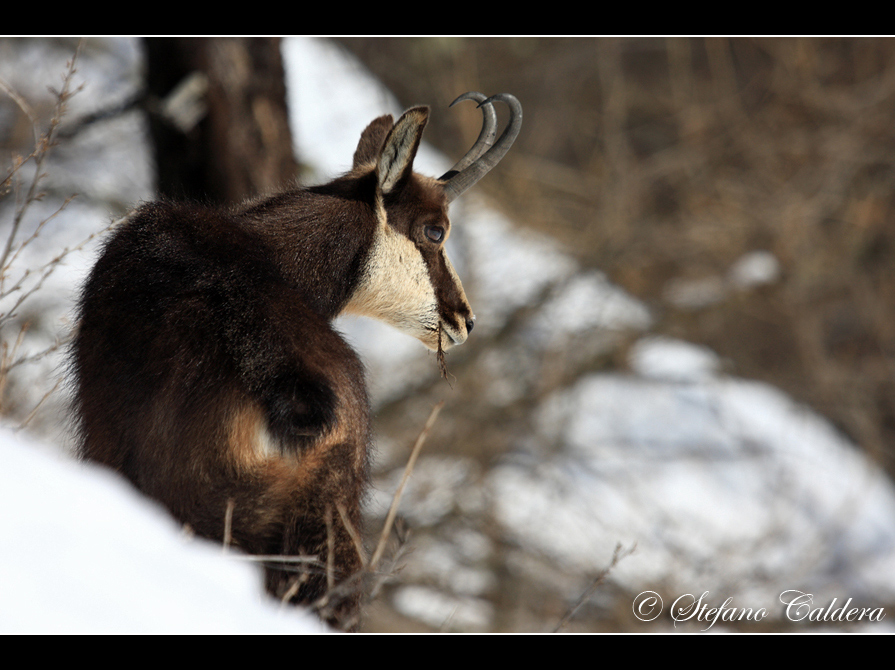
(281, 558)
(330, 549)
(352, 531)
(350, 586)
(617, 555)
(391, 568)
(293, 588)
(396, 500)
(228, 525)
(442, 364)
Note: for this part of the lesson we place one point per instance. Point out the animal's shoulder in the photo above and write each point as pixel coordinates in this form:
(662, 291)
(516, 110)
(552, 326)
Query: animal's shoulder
(166, 249)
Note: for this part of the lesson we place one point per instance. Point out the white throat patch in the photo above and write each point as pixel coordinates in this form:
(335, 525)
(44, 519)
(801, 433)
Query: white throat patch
(396, 287)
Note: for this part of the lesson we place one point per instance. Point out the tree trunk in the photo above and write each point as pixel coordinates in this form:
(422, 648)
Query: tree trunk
(242, 146)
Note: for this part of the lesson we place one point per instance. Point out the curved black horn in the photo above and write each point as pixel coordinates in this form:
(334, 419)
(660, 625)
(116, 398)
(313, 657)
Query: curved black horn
(475, 164)
(486, 136)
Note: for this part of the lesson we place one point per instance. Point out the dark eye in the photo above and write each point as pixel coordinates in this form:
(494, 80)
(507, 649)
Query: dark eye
(434, 233)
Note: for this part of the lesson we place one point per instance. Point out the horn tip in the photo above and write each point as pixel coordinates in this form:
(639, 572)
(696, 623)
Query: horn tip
(469, 95)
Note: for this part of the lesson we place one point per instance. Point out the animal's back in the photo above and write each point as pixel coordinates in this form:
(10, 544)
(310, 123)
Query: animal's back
(205, 379)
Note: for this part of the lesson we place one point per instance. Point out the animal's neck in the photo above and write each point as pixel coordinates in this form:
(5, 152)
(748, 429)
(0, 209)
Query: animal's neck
(321, 255)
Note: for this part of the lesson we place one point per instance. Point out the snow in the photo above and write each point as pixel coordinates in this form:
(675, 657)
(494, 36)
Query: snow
(83, 552)
(723, 484)
(754, 269)
(429, 605)
(672, 360)
(750, 271)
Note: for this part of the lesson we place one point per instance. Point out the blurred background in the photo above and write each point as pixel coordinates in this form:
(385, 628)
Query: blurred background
(662, 162)
(683, 372)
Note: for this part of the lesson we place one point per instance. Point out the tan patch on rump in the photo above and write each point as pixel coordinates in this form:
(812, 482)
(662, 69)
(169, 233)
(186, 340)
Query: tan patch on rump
(252, 447)
(249, 441)
(255, 450)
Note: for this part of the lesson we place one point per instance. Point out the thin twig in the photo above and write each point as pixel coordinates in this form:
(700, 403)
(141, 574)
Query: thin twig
(42, 150)
(293, 588)
(48, 268)
(278, 558)
(352, 533)
(439, 356)
(38, 229)
(7, 356)
(24, 106)
(391, 568)
(330, 549)
(38, 355)
(228, 525)
(393, 511)
(617, 555)
(38, 406)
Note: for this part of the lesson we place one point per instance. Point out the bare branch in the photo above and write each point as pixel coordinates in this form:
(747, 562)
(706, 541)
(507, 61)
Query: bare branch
(43, 144)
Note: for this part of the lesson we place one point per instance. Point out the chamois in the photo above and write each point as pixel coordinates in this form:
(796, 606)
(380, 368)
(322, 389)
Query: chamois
(207, 369)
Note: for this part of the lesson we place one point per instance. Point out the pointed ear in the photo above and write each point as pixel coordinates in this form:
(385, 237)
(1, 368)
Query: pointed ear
(396, 160)
(371, 140)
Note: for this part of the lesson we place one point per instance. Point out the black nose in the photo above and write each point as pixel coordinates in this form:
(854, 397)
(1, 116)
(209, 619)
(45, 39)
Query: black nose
(469, 324)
